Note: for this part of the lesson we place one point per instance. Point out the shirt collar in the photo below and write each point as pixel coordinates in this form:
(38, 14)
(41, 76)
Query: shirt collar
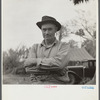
(43, 44)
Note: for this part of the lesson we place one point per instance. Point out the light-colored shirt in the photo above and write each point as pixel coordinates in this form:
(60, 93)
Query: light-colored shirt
(56, 54)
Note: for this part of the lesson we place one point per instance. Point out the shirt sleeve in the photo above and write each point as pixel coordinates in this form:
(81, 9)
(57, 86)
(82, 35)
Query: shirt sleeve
(32, 60)
(61, 59)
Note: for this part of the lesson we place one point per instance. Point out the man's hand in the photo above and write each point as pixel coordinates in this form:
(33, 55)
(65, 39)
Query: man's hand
(30, 62)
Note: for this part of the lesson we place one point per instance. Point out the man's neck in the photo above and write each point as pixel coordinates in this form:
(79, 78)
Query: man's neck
(49, 41)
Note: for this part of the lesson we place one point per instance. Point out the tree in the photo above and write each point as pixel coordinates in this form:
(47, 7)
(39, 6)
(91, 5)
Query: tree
(84, 24)
(93, 35)
(73, 44)
(22, 52)
(12, 59)
(79, 1)
(63, 32)
(86, 30)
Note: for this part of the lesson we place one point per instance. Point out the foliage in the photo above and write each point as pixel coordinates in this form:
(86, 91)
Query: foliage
(90, 46)
(86, 25)
(63, 32)
(93, 81)
(87, 31)
(79, 1)
(85, 80)
(12, 60)
(73, 44)
(82, 26)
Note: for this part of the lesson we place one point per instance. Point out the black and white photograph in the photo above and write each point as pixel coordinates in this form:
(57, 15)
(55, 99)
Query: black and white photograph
(50, 43)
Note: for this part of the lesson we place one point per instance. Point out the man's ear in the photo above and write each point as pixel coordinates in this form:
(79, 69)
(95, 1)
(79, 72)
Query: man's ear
(56, 28)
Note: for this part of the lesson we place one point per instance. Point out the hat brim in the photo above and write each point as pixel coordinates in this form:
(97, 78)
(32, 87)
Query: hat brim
(39, 24)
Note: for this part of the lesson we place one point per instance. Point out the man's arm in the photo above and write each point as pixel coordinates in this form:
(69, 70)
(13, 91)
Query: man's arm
(61, 59)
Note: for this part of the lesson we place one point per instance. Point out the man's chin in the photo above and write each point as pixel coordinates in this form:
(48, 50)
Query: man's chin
(48, 38)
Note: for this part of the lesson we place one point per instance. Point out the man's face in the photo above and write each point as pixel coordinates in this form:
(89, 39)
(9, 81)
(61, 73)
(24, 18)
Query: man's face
(48, 30)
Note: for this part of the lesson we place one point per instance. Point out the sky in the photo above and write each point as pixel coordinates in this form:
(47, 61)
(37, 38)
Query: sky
(19, 18)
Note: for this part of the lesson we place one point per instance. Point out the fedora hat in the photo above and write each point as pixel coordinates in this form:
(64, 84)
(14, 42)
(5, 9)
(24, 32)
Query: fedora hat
(48, 19)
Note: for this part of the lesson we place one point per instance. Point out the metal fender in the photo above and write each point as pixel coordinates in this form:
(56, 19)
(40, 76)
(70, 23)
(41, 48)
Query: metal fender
(72, 72)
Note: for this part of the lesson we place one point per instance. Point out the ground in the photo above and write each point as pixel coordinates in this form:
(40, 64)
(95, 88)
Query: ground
(20, 79)
(25, 79)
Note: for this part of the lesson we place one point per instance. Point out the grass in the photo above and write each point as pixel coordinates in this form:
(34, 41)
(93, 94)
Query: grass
(25, 79)
(15, 79)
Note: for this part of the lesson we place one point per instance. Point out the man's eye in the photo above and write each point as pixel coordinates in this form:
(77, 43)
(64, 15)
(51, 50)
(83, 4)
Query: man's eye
(50, 29)
(44, 29)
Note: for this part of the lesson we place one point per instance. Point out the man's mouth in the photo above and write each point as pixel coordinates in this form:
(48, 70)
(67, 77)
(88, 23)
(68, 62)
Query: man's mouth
(47, 36)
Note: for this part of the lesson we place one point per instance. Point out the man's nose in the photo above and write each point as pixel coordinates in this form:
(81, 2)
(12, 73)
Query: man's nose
(47, 32)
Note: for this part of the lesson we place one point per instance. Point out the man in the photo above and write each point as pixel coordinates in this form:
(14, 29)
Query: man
(51, 54)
